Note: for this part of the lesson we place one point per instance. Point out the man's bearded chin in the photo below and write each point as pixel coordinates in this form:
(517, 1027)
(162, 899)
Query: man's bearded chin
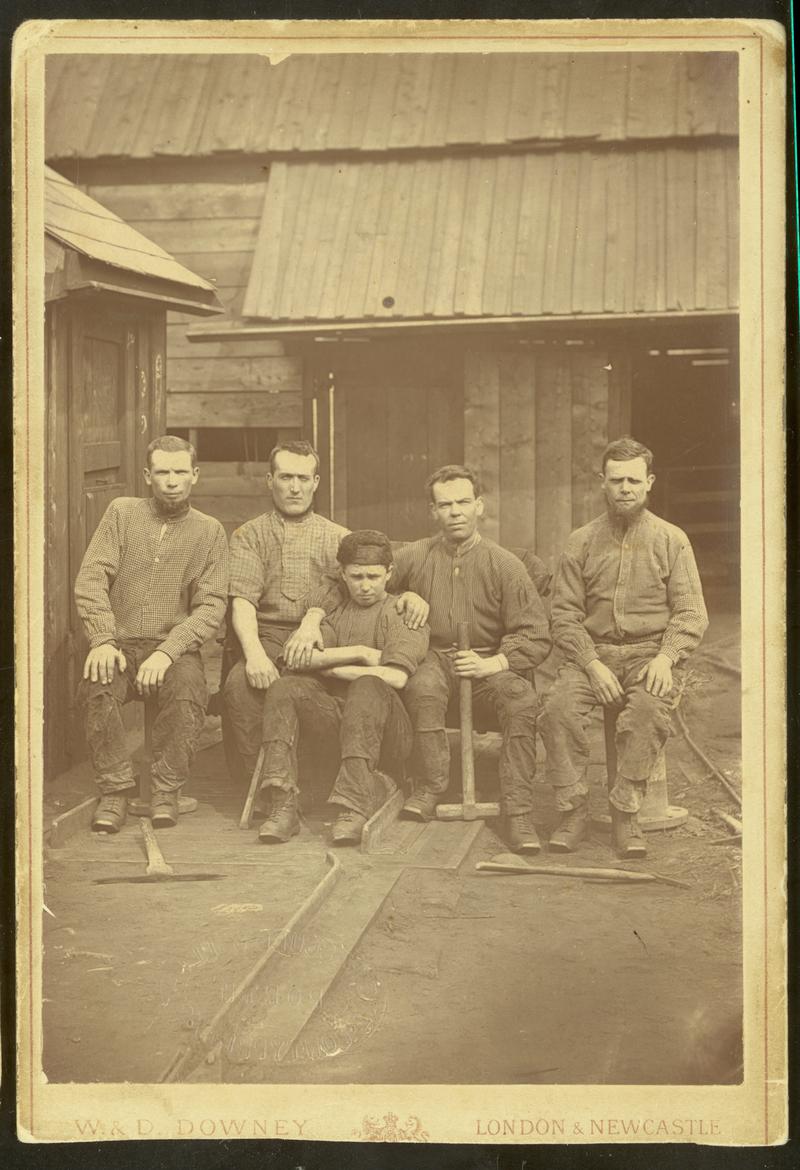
(625, 516)
(171, 507)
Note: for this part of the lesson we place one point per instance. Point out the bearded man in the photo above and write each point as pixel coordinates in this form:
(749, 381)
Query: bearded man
(627, 611)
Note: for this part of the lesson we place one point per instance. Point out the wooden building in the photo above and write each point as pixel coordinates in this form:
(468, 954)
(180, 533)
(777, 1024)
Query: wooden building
(107, 293)
(505, 259)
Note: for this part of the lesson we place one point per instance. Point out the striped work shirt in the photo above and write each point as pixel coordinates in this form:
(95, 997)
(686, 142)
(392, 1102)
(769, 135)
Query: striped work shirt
(379, 626)
(145, 577)
(484, 585)
(278, 563)
(619, 586)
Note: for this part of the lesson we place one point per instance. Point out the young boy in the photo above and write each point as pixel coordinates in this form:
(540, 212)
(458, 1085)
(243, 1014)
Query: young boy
(347, 698)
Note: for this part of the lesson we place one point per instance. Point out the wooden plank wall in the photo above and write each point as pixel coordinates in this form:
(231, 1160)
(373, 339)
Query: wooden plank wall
(535, 426)
(210, 225)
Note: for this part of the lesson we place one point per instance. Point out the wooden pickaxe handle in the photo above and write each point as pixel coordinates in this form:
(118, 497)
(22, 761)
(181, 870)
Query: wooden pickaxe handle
(155, 858)
(465, 717)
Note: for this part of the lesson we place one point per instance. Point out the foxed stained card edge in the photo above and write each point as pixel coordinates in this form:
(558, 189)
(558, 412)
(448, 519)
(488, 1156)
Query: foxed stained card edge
(754, 1113)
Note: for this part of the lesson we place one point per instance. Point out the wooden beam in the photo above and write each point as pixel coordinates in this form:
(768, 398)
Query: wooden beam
(482, 430)
(232, 409)
(553, 455)
(518, 448)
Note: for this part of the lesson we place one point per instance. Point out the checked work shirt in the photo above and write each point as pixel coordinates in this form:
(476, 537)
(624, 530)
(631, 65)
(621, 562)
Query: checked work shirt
(147, 578)
(277, 563)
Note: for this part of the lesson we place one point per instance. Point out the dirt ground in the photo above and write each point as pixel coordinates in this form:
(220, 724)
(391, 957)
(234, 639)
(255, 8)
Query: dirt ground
(460, 976)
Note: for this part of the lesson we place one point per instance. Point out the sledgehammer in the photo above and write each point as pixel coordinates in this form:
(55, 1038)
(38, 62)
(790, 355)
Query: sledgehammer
(468, 810)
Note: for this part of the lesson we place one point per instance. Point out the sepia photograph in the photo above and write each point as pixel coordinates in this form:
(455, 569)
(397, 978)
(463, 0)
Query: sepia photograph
(395, 469)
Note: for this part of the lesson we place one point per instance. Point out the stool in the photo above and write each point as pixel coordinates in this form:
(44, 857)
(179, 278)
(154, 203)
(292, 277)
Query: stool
(140, 806)
(656, 811)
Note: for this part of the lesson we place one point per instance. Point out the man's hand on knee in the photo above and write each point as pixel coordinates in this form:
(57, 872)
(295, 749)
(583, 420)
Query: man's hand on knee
(102, 661)
(260, 670)
(151, 673)
(657, 675)
(605, 683)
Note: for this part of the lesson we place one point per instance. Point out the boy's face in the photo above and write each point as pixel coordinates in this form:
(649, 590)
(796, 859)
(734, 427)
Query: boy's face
(366, 584)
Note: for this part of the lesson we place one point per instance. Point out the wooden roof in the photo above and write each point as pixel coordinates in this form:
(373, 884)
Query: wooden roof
(633, 231)
(152, 105)
(80, 222)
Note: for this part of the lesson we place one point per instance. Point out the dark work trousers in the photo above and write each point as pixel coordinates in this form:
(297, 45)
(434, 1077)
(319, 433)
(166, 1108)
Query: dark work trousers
(245, 704)
(365, 726)
(507, 698)
(181, 700)
(643, 724)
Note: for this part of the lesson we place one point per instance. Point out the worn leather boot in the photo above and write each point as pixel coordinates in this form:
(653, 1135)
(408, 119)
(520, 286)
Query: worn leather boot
(571, 829)
(421, 806)
(164, 810)
(109, 816)
(626, 835)
(348, 827)
(521, 834)
(283, 822)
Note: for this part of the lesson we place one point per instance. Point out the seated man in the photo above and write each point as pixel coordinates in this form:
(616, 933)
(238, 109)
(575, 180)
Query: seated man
(467, 578)
(627, 609)
(279, 561)
(349, 702)
(151, 590)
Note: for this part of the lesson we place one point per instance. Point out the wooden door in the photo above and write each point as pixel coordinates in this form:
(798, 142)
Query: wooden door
(384, 415)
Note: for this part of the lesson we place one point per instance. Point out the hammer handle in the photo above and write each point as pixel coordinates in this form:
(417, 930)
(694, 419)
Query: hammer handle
(155, 858)
(465, 714)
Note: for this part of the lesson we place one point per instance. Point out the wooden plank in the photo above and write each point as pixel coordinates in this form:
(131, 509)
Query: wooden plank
(300, 241)
(590, 245)
(526, 98)
(532, 235)
(225, 269)
(364, 229)
(158, 354)
(714, 237)
(158, 201)
(554, 97)
(681, 230)
(340, 487)
(565, 254)
(616, 71)
(407, 435)
(328, 207)
(99, 456)
(179, 346)
(443, 299)
(502, 236)
(553, 455)
(439, 222)
(386, 175)
(321, 101)
(143, 409)
(331, 301)
(470, 271)
(467, 101)
(201, 234)
(659, 227)
(266, 274)
(645, 256)
(411, 99)
(395, 238)
(72, 109)
(482, 430)
(517, 449)
(498, 100)
(340, 125)
(218, 375)
(433, 133)
(550, 230)
(589, 382)
(419, 239)
(445, 414)
(231, 409)
(382, 104)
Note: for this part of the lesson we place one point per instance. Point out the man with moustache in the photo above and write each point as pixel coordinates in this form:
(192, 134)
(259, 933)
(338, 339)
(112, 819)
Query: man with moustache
(348, 700)
(151, 589)
(279, 562)
(467, 578)
(627, 610)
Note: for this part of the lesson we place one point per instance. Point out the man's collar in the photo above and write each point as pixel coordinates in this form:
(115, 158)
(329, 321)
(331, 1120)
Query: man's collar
(460, 550)
(292, 521)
